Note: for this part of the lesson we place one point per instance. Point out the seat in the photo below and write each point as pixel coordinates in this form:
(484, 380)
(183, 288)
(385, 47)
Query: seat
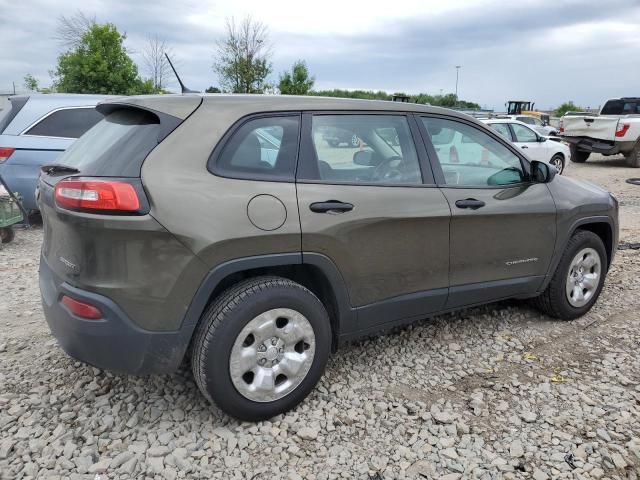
(249, 154)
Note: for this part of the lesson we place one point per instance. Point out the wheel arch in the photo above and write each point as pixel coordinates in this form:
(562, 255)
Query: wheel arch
(312, 270)
(603, 226)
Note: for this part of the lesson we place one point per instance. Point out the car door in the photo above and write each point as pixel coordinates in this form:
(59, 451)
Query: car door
(529, 141)
(375, 212)
(502, 225)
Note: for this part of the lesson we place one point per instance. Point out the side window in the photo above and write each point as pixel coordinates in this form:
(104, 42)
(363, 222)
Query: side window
(523, 134)
(502, 129)
(262, 149)
(527, 120)
(362, 149)
(68, 123)
(470, 157)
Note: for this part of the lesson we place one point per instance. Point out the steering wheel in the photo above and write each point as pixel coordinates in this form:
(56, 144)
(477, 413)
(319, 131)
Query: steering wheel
(388, 169)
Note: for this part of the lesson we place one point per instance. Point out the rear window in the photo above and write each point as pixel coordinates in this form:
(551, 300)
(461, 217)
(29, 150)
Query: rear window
(67, 123)
(116, 146)
(621, 107)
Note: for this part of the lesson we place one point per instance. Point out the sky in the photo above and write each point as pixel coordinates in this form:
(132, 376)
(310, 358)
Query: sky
(547, 51)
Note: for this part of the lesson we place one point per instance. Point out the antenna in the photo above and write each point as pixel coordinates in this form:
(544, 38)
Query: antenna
(182, 87)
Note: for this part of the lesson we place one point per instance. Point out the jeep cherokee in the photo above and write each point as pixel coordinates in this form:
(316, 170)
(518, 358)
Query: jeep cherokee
(226, 229)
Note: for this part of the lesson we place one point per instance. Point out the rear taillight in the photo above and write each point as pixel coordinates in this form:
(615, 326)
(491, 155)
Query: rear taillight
(81, 309)
(5, 153)
(99, 196)
(621, 129)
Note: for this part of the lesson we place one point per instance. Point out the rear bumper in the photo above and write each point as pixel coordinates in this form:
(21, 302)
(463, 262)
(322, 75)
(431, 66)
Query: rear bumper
(587, 144)
(114, 342)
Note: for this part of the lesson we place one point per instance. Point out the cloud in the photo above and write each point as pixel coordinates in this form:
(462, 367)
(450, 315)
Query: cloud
(546, 51)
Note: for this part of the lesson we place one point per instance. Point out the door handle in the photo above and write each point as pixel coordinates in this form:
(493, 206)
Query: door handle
(471, 203)
(524, 146)
(331, 206)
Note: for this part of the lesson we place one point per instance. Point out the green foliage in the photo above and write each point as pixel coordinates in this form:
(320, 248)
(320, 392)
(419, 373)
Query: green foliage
(567, 107)
(296, 82)
(242, 62)
(30, 83)
(213, 89)
(363, 94)
(449, 100)
(100, 64)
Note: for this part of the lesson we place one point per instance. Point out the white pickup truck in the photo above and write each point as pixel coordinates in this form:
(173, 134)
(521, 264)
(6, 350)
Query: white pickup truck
(615, 130)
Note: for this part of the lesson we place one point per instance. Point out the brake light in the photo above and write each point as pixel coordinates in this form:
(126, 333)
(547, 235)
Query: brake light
(81, 309)
(97, 195)
(5, 153)
(621, 129)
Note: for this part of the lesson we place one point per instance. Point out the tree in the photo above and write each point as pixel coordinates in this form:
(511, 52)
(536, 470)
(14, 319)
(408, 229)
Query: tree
(30, 83)
(155, 61)
(71, 30)
(298, 81)
(243, 57)
(213, 89)
(100, 64)
(567, 107)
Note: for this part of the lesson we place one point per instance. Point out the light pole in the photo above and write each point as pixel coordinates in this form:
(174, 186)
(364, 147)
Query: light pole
(457, 72)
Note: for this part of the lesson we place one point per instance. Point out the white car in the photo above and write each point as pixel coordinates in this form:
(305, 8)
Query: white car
(537, 147)
(536, 124)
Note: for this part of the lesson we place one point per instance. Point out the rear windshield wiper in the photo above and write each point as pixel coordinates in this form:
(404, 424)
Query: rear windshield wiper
(55, 168)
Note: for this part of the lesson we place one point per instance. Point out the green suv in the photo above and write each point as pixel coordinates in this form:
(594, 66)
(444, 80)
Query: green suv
(227, 230)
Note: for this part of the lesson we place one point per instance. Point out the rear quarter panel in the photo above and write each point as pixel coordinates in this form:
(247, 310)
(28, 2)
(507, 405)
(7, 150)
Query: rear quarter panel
(207, 213)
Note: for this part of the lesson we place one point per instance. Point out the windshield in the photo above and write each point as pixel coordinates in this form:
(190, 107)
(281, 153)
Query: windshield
(115, 146)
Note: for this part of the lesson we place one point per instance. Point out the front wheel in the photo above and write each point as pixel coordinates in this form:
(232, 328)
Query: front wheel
(558, 161)
(261, 347)
(578, 156)
(578, 279)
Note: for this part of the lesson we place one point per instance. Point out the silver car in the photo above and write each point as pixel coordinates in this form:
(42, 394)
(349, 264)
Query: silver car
(35, 130)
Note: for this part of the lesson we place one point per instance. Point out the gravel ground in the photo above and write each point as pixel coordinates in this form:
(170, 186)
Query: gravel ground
(493, 392)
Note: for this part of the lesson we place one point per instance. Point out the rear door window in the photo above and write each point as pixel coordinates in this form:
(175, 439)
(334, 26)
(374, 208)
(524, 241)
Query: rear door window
(115, 146)
(67, 123)
(362, 149)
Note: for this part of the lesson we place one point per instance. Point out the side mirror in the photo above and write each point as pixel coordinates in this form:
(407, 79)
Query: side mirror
(542, 172)
(363, 157)
(542, 139)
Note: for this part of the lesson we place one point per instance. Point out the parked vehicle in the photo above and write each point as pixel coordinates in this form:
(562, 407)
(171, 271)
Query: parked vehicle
(615, 130)
(35, 130)
(538, 125)
(161, 240)
(339, 136)
(544, 149)
(526, 108)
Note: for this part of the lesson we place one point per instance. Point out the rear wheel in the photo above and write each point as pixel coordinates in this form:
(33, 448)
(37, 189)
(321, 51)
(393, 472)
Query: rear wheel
(579, 156)
(7, 234)
(578, 279)
(633, 157)
(558, 161)
(355, 141)
(261, 347)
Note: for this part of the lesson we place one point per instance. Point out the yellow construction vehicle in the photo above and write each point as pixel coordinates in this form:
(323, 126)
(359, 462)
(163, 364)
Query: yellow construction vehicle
(523, 107)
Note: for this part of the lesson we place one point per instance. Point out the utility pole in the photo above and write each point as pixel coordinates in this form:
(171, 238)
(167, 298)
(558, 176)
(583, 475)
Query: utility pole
(457, 72)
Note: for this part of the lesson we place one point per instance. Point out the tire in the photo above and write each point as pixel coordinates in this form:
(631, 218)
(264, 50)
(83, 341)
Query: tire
(554, 301)
(633, 157)
(355, 141)
(558, 161)
(227, 328)
(7, 234)
(578, 156)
